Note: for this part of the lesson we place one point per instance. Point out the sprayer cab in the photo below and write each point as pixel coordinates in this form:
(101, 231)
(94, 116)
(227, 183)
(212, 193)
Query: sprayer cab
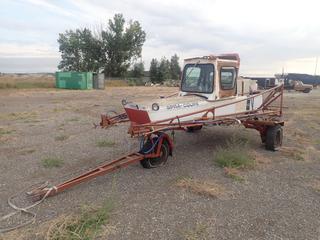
(212, 77)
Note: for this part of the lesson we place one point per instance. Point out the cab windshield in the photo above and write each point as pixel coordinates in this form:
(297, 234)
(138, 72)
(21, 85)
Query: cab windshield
(198, 78)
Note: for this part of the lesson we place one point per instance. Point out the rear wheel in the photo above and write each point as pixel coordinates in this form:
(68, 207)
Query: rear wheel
(274, 137)
(157, 161)
(307, 90)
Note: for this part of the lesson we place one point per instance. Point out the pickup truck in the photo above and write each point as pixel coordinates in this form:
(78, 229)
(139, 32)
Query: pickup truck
(301, 87)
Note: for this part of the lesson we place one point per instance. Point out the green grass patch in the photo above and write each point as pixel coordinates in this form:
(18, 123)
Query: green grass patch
(86, 226)
(4, 131)
(235, 154)
(105, 143)
(61, 137)
(52, 162)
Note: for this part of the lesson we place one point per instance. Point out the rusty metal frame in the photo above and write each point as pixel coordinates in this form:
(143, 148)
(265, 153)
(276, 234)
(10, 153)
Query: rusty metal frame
(266, 110)
(107, 121)
(103, 169)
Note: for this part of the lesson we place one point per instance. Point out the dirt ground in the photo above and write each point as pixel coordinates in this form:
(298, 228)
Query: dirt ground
(278, 199)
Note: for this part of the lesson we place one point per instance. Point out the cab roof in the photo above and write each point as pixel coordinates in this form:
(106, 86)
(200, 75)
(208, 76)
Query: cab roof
(227, 56)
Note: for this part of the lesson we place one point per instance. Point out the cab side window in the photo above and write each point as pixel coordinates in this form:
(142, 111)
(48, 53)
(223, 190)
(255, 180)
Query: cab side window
(228, 78)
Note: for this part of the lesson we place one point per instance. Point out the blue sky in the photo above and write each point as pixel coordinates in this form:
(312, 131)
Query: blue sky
(268, 35)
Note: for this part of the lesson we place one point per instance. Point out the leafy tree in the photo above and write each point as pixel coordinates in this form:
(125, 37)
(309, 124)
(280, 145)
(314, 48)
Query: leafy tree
(121, 45)
(154, 65)
(175, 69)
(112, 49)
(80, 51)
(138, 70)
(164, 70)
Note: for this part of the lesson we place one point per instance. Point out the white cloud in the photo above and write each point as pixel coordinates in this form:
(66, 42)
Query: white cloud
(52, 7)
(266, 34)
(36, 50)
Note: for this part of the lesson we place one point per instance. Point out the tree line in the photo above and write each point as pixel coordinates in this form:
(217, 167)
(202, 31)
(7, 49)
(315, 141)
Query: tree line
(164, 69)
(113, 50)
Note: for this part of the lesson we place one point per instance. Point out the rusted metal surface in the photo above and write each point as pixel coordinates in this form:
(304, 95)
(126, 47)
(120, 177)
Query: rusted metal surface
(107, 121)
(100, 170)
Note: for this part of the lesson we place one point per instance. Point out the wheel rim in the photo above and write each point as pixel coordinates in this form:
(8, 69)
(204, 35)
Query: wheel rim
(158, 161)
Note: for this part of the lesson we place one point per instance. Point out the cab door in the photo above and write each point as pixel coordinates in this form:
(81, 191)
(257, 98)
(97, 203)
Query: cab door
(228, 81)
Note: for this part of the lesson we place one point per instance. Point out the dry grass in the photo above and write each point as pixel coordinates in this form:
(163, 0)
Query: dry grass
(5, 134)
(61, 137)
(105, 143)
(27, 81)
(61, 109)
(75, 119)
(234, 173)
(201, 188)
(198, 232)
(85, 226)
(26, 116)
(261, 158)
(88, 223)
(116, 83)
(27, 151)
(301, 137)
(5, 131)
(293, 153)
(315, 185)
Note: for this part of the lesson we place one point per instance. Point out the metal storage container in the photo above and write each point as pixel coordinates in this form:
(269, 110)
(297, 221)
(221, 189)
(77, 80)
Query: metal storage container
(98, 81)
(74, 80)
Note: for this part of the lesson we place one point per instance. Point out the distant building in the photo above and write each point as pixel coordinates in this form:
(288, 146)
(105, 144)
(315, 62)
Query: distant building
(264, 82)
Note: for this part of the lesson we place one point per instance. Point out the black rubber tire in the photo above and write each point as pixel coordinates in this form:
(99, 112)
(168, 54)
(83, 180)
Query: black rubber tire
(274, 138)
(159, 161)
(307, 90)
(194, 129)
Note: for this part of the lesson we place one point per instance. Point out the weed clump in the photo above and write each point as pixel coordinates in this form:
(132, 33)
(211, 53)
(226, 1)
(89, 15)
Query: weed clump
(201, 188)
(87, 225)
(235, 154)
(105, 143)
(233, 157)
(52, 162)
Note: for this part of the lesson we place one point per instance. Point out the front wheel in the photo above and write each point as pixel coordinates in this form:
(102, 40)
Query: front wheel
(274, 137)
(158, 161)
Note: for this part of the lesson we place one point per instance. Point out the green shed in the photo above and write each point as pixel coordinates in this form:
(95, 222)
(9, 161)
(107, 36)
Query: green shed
(74, 80)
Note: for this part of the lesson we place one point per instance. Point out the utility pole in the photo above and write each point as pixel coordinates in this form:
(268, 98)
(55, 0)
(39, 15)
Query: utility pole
(315, 70)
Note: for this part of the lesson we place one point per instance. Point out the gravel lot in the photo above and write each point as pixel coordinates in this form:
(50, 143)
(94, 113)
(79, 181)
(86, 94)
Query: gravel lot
(279, 199)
